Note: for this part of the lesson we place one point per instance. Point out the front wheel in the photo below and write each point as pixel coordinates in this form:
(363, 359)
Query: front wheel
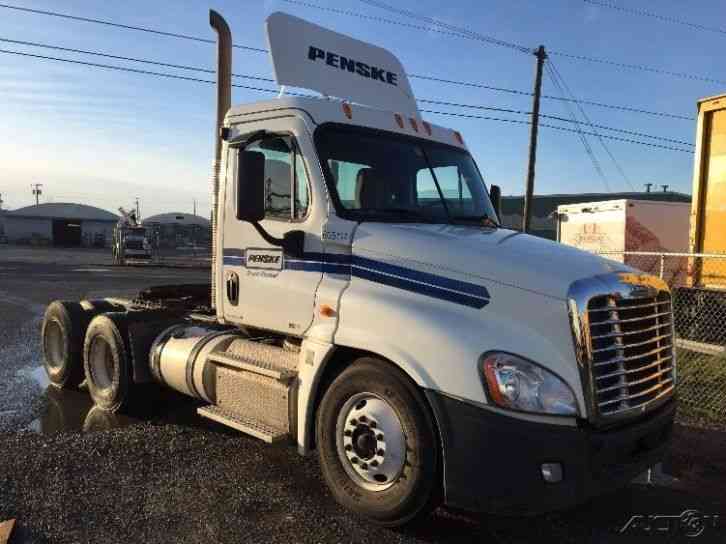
(377, 444)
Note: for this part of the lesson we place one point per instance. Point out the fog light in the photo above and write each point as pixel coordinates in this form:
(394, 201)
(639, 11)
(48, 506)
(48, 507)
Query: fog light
(552, 472)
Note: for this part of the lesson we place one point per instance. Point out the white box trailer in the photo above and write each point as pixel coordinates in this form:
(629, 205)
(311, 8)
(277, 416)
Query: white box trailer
(621, 229)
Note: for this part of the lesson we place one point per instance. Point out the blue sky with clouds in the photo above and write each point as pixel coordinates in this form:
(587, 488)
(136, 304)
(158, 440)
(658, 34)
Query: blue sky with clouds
(104, 137)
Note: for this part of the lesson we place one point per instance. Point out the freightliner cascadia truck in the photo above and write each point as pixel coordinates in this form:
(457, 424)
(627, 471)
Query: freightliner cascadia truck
(365, 304)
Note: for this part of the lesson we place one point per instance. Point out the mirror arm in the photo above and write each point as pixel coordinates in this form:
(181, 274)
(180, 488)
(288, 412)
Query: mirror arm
(292, 243)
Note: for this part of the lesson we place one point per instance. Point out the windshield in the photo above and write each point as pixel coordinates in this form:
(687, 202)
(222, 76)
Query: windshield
(383, 177)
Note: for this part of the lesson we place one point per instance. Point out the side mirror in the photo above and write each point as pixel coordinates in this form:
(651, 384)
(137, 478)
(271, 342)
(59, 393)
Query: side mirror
(251, 186)
(495, 195)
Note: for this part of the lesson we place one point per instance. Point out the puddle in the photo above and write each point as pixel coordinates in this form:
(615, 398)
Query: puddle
(74, 411)
(37, 374)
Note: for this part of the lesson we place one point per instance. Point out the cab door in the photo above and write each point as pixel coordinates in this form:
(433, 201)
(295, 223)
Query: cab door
(264, 287)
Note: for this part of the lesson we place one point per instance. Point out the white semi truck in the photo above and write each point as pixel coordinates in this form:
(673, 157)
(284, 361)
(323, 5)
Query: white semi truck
(365, 303)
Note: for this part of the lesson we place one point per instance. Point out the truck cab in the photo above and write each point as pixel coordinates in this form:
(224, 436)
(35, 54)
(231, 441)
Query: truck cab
(366, 304)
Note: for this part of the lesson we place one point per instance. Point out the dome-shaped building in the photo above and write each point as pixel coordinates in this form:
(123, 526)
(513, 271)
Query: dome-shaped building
(179, 230)
(60, 224)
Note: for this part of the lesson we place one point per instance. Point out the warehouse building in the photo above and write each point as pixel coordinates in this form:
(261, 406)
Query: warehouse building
(176, 230)
(544, 207)
(59, 224)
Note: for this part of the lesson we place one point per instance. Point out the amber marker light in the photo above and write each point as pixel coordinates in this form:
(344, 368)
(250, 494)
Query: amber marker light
(347, 110)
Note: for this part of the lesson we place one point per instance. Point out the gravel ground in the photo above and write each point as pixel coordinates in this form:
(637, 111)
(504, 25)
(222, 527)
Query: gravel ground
(69, 473)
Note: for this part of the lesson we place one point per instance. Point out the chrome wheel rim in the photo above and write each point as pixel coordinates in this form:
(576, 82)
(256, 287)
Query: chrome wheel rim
(370, 441)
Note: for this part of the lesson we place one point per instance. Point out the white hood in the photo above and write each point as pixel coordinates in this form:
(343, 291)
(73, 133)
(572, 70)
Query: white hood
(491, 255)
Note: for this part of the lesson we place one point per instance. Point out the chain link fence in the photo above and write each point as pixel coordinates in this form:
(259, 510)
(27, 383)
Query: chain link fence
(698, 287)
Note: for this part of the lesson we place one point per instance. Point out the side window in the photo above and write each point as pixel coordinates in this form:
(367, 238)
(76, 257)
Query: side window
(287, 195)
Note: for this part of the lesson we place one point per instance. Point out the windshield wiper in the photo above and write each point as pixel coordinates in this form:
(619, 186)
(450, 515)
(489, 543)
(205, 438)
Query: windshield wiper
(479, 219)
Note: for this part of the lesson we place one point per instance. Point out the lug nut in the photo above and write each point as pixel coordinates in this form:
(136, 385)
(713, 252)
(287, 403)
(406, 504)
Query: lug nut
(353, 422)
(354, 460)
(381, 452)
(379, 436)
(372, 425)
(347, 433)
(364, 466)
(348, 447)
(363, 419)
(374, 463)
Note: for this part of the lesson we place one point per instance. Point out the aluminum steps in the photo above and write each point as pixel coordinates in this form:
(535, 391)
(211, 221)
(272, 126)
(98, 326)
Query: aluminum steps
(255, 385)
(264, 432)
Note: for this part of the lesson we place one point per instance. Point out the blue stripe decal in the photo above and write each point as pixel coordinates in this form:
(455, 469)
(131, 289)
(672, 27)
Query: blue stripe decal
(415, 281)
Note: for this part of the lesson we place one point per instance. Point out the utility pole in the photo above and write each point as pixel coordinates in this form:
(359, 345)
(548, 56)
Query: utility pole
(36, 191)
(1, 202)
(138, 210)
(527, 211)
(665, 188)
(195, 206)
(647, 187)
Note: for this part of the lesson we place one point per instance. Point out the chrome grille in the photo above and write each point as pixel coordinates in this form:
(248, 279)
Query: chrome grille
(631, 351)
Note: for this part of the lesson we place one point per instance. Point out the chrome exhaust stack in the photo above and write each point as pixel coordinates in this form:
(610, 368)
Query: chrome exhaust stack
(224, 101)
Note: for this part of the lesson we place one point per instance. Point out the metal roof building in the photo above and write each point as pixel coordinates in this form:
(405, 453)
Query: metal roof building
(60, 224)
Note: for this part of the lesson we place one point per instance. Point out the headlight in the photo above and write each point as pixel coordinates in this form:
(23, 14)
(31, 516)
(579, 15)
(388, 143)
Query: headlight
(517, 384)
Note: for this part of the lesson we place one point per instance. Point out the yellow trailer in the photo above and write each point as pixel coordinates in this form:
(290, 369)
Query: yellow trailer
(708, 209)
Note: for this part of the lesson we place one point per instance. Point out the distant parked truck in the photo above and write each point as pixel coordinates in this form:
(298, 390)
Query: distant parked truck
(130, 240)
(616, 227)
(708, 212)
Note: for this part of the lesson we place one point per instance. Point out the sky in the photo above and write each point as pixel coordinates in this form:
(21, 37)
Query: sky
(104, 138)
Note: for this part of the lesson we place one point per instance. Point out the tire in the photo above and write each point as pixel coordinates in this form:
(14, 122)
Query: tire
(388, 491)
(106, 361)
(62, 333)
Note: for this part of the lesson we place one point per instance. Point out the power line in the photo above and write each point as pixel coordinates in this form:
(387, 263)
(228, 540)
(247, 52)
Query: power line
(132, 59)
(550, 97)
(583, 139)
(466, 32)
(558, 77)
(335, 10)
(555, 127)
(127, 27)
(461, 34)
(640, 67)
(258, 78)
(132, 70)
(664, 18)
(261, 89)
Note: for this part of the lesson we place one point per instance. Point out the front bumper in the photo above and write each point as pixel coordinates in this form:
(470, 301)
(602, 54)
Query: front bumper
(492, 462)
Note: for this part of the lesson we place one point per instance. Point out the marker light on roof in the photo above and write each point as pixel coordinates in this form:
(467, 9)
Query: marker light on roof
(414, 125)
(458, 137)
(399, 120)
(347, 110)
(427, 127)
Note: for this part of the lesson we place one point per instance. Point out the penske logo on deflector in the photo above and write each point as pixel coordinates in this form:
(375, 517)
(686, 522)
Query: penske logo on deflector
(353, 66)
